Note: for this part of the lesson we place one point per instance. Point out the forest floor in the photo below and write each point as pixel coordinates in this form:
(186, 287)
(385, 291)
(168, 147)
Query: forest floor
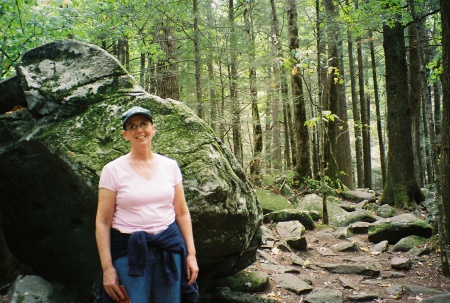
(425, 271)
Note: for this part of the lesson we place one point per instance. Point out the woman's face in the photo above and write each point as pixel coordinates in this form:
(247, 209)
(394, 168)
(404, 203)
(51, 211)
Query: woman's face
(139, 129)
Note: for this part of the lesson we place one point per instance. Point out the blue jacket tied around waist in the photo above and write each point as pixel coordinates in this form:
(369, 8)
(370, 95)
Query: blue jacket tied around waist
(167, 242)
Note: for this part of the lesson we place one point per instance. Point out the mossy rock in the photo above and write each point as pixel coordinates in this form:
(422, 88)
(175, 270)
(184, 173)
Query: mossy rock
(409, 243)
(248, 280)
(271, 202)
(289, 215)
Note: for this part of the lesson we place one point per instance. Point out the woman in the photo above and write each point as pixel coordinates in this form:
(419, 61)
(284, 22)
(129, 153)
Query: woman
(143, 226)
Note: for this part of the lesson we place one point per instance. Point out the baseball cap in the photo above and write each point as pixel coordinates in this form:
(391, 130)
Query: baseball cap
(135, 110)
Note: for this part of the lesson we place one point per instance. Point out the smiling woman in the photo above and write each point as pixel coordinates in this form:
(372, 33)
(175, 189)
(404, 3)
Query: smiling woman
(143, 226)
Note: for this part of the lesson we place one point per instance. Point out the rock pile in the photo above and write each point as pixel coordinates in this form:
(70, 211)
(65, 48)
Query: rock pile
(369, 253)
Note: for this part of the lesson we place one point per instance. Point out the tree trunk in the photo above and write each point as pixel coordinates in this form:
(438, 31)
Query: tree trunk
(365, 119)
(211, 79)
(255, 163)
(235, 105)
(322, 80)
(142, 71)
(167, 83)
(268, 128)
(302, 168)
(275, 96)
(198, 75)
(378, 112)
(331, 102)
(344, 153)
(415, 101)
(445, 149)
(401, 188)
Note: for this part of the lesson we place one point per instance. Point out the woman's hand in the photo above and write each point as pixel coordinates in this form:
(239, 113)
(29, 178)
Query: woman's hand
(111, 284)
(192, 269)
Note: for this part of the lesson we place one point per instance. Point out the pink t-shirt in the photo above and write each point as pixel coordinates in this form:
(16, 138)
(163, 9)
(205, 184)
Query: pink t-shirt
(142, 204)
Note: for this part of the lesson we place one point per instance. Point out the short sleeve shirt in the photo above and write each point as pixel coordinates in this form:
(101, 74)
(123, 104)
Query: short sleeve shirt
(142, 205)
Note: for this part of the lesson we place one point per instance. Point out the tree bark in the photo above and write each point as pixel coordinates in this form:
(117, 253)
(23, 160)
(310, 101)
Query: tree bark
(365, 118)
(255, 162)
(445, 146)
(211, 79)
(344, 153)
(401, 188)
(198, 75)
(167, 83)
(415, 97)
(378, 111)
(275, 96)
(331, 102)
(303, 167)
(235, 104)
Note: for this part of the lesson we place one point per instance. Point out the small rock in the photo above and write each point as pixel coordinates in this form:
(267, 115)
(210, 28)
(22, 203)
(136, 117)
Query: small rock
(324, 295)
(290, 229)
(325, 251)
(359, 227)
(292, 283)
(347, 283)
(392, 274)
(401, 263)
(380, 248)
(297, 243)
(362, 297)
(345, 247)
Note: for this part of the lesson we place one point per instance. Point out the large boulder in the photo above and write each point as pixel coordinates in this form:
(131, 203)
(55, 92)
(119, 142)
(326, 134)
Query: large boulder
(53, 149)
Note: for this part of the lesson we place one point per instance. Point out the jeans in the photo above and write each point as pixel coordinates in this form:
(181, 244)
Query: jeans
(151, 287)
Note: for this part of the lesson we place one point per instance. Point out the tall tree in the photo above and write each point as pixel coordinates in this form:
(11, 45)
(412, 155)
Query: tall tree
(233, 77)
(255, 163)
(401, 187)
(302, 168)
(365, 116)
(198, 74)
(445, 145)
(331, 101)
(377, 110)
(210, 65)
(275, 39)
(343, 152)
(168, 83)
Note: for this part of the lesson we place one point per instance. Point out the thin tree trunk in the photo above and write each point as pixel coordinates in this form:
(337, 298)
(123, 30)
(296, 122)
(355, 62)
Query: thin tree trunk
(255, 163)
(356, 116)
(415, 97)
(322, 80)
(365, 118)
(287, 143)
(344, 154)
(378, 111)
(275, 97)
(211, 79)
(142, 71)
(268, 125)
(302, 168)
(233, 75)
(331, 102)
(198, 75)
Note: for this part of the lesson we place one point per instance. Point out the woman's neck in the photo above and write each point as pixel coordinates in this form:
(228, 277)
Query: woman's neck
(142, 155)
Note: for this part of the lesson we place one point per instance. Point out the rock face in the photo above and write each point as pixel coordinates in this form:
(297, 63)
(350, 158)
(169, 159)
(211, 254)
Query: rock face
(52, 152)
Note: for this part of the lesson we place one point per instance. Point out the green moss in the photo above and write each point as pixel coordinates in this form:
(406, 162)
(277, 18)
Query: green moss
(270, 201)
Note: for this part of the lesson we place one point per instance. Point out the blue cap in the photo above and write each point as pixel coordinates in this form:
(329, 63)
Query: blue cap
(135, 110)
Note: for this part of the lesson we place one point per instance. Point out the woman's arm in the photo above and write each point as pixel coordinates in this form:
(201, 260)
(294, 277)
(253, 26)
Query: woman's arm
(103, 222)
(183, 219)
